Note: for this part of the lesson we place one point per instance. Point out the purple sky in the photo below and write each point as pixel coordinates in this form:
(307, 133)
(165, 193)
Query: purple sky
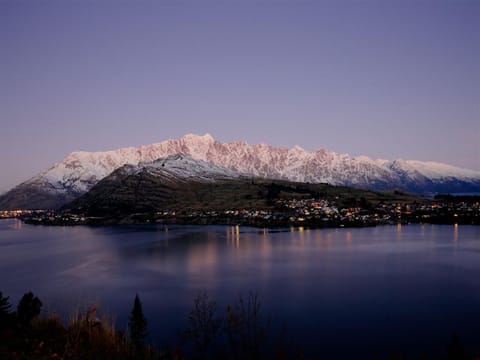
(387, 79)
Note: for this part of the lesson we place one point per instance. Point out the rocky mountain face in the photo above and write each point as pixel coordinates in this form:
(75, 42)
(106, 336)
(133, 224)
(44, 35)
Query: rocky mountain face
(80, 171)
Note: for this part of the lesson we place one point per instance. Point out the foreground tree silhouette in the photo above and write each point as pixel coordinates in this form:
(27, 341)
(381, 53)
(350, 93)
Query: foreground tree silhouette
(252, 335)
(204, 324)
(455, 349)
(247, 329)
(5, 305)
(137, 324)
(6, 315)
(28, 308)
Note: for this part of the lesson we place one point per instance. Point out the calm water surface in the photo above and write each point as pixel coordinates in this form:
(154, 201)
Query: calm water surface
(369, 291)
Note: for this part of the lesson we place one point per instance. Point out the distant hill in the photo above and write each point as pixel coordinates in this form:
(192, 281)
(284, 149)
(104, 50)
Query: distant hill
(80, 171)
(180, 183)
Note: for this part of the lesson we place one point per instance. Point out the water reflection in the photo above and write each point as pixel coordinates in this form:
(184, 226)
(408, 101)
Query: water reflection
(318, 238)
(454, 238)
(348, 238)
(202, 261)
(301, 236)
(266, 246)
(233, 236)
(330, 282)
(398, 231)
(455, 233)
(17, 224)
(329, 241)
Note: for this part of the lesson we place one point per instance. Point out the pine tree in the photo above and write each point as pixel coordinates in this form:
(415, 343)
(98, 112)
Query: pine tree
(137, 324)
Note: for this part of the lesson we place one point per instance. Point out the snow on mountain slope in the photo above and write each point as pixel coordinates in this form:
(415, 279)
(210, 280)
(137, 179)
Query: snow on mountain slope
(431, 170)
(181, 167)
(79, 171)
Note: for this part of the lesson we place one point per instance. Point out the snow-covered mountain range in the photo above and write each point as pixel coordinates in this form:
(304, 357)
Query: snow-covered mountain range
(80, 171)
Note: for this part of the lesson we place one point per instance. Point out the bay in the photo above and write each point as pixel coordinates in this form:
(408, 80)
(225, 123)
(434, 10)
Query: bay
(365, 292)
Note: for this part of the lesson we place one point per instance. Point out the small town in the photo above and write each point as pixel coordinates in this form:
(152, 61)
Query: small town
(314, 213)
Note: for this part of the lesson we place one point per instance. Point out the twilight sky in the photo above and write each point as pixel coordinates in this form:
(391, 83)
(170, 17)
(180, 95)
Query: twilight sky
(386, 79)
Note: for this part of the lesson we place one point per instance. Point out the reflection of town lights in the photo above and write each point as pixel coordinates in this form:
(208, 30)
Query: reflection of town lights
(348, 237)
(455, 232)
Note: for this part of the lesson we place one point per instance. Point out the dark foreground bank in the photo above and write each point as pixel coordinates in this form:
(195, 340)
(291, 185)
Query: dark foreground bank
(241, 331)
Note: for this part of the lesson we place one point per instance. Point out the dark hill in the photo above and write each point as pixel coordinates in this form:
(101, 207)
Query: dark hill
(125, 192)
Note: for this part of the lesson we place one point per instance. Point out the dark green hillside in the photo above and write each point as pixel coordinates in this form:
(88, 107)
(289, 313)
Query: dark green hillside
(122, 193)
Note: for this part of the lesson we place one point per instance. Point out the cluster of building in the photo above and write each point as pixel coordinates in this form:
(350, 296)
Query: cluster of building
(8, 214)
(291, 212)
(313, 210)
(321, 212)
(449, 212)
(324, 213)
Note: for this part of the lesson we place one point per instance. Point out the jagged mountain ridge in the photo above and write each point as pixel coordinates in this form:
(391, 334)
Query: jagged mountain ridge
(80, 171)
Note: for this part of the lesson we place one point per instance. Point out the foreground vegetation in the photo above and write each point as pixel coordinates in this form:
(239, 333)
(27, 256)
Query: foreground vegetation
(243, 332)
(26, 335)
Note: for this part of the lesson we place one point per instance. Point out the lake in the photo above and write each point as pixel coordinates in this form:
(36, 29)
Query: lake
(340, 292)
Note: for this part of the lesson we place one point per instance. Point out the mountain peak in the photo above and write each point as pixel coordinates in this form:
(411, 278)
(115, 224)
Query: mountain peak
(298, 148)
(207, 138)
